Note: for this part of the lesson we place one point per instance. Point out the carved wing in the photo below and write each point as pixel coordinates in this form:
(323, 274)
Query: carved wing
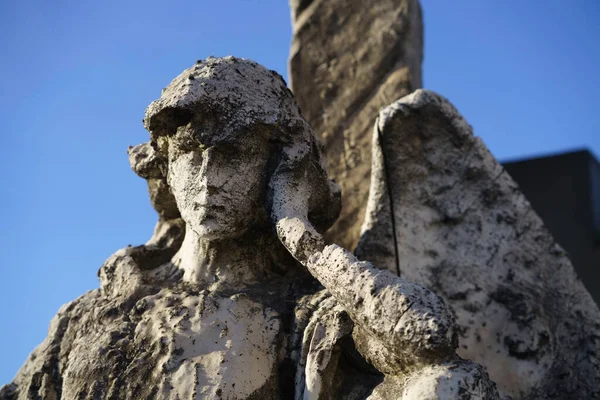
(444, 213)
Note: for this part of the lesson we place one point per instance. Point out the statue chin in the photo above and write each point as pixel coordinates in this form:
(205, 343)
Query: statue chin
(208, 228)
(214, 229)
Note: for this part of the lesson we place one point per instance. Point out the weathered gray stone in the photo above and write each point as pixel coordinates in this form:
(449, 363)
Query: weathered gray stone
(213, 306)
(412, 323)
(148, 164)
(404, 330)
(203, 309)
(456, 379)
(461, 227)
(348, 59)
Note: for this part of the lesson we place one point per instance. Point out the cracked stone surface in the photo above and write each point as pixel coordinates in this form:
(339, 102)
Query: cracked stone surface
(220, 303)
(402, 329)
(203, 309)
(347, 60)
(444, 213)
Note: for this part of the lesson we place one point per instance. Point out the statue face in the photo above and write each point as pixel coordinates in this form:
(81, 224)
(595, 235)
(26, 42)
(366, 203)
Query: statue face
(219, 185)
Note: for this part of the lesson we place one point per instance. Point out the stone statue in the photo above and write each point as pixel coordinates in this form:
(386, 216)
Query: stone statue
(236, 296)
(423, 198)
(444, 213)
(347, 60)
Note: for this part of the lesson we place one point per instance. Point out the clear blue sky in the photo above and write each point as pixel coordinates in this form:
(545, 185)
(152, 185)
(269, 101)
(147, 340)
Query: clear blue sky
(78, 74)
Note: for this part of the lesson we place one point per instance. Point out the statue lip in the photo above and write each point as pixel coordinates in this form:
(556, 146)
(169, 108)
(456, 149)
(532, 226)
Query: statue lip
(206, 211)
(208, 205)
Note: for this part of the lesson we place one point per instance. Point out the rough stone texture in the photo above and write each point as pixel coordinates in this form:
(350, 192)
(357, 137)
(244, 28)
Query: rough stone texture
(455, 379)
(205, 307)
(404, 330)
(378, 237)
(347, 60)
(148, 164)
(214, 306)
(414, 324)
(462, 228)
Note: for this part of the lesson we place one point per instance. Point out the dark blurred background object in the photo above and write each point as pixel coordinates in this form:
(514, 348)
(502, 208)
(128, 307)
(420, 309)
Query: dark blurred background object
(564, 189)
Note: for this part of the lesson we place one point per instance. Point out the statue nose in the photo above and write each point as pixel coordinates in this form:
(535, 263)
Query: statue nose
(212, 173)
(207, 162)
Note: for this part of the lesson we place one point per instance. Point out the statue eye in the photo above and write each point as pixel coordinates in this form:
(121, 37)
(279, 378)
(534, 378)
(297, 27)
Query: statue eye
(186, 141)
(188, 144)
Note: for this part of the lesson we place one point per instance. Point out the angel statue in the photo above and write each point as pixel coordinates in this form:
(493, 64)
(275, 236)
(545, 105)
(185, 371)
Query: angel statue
(236, 296)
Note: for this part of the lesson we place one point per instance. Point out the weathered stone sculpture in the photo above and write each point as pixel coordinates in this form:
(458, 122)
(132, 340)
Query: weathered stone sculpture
(214, 306)
(443, 212)
(347, 60)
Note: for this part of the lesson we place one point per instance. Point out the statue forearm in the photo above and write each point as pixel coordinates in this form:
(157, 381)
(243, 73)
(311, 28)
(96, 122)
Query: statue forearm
(412, 322)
